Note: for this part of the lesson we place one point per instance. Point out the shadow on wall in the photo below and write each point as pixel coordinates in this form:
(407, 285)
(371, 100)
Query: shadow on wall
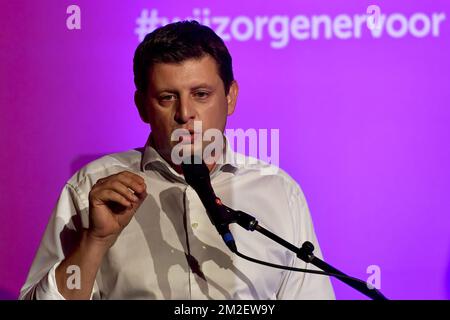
(5, 294)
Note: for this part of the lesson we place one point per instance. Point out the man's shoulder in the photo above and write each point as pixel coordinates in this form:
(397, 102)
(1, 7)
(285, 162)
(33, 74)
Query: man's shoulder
(266, 172)
(107, 165)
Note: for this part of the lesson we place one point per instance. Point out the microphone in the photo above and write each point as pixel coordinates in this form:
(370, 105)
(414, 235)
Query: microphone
(196, 174)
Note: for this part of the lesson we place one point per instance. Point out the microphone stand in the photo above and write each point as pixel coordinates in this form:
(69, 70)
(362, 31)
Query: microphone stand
(305, 252)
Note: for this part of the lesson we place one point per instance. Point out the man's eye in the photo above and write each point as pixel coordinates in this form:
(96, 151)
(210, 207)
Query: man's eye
(167, 97)
(202, 94)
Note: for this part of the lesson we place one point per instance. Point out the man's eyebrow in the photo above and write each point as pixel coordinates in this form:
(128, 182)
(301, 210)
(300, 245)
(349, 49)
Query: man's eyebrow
(174, 91)
(202, 86)
(165, 90)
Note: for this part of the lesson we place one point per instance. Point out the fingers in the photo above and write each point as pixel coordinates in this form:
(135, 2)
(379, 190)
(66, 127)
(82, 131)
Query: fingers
(107, 195)
(128, 187)
(133, 181)
(123, 190)
(130, 180)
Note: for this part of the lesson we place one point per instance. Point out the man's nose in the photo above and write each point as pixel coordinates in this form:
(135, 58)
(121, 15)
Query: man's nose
(185, 110)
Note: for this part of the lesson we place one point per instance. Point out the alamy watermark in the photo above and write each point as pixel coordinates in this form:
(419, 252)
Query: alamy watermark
(374, 279)
(74, 279)
(73, 21)
(255, 141)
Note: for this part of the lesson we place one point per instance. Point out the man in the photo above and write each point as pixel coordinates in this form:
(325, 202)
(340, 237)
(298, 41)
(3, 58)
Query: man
(127, 226)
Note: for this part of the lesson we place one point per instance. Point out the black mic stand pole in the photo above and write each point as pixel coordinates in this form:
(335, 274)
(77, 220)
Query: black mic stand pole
(305, 253)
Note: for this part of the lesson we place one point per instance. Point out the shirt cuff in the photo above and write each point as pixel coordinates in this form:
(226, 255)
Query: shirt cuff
(47, 289)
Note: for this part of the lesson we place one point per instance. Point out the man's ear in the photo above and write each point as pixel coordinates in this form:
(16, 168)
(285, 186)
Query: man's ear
(232, 97)
(139, 101)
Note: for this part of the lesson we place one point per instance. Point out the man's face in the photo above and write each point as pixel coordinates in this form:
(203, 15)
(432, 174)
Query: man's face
(181, 93)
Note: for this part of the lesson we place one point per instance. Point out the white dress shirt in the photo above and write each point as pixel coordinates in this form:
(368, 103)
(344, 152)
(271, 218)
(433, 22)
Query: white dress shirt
(170, 249)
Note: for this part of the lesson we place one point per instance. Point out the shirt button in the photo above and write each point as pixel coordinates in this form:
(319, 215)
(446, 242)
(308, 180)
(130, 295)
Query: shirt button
(194, 225)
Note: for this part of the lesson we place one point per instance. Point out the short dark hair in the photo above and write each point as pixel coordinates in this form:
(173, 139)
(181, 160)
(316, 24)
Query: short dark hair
(177, 42)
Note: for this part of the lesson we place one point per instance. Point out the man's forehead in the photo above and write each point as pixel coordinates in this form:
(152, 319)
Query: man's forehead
(190, 72)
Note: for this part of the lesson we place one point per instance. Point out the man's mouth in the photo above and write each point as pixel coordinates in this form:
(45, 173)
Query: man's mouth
(189, 137)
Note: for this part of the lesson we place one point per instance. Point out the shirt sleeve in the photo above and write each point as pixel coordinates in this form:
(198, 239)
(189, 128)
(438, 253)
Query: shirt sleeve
(299, 285)
(60, 237)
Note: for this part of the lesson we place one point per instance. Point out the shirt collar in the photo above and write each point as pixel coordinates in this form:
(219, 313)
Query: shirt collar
(152, 160)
